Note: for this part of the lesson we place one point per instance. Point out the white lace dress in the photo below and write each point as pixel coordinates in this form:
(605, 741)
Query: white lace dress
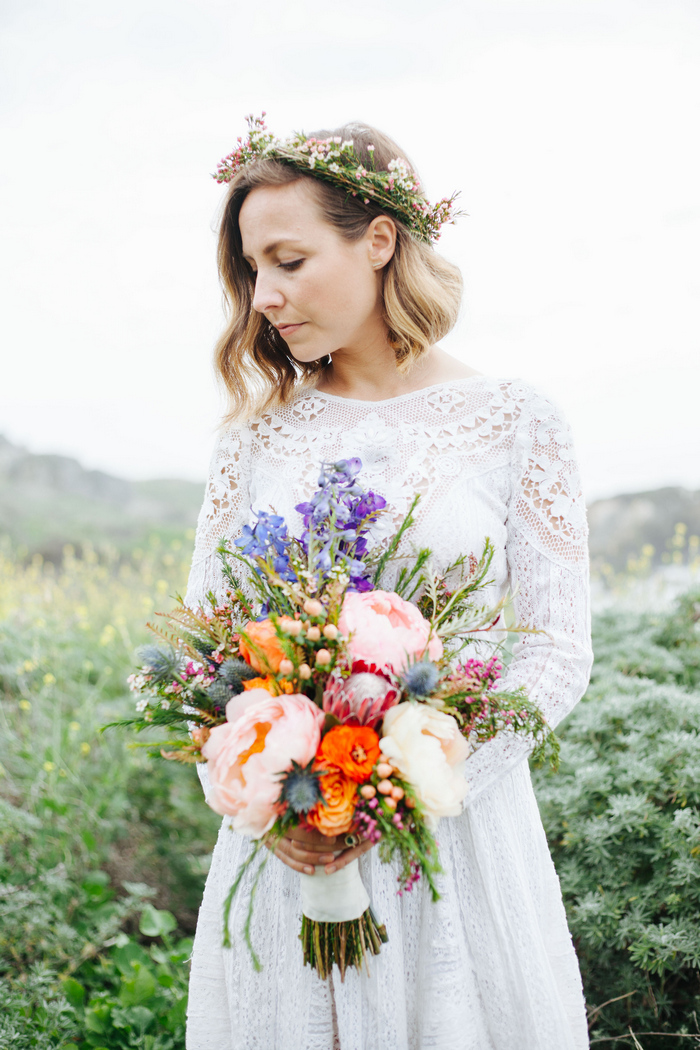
(491, 966)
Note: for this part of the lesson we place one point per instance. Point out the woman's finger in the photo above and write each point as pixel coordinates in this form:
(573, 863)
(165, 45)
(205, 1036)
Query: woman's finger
(347, 855)
(295, 856)
(313, 851)
(314, 840)
(281, 850)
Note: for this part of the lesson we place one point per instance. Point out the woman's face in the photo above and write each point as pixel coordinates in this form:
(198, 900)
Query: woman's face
(322, 292)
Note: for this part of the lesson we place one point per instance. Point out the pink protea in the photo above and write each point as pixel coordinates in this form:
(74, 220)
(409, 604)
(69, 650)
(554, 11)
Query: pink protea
(363, 698)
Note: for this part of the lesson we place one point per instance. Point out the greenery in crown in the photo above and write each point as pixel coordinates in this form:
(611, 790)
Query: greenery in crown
(395, 189)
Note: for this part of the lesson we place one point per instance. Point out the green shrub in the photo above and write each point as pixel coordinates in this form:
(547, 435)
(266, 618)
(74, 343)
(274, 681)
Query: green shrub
(92, 833)
(623, 821)
(135, 995)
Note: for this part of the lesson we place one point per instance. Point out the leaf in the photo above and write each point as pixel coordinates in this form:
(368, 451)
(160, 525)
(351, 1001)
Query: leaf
(139, 988)
(128, 954)
(74, 991)
(96, 885)
(138, 1017)
(175, 1017)
(155, 923)
(97, 1018)
(89, 839)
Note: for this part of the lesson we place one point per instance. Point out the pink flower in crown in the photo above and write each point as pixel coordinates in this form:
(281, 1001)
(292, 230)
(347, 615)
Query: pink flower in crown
(386, 630)
(362, 698)
(246, 756)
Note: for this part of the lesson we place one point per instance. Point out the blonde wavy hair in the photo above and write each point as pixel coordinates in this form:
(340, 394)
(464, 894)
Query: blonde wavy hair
(422, 292)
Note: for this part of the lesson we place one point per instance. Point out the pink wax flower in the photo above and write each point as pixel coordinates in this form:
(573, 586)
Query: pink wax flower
(386, 630)
(245, 758)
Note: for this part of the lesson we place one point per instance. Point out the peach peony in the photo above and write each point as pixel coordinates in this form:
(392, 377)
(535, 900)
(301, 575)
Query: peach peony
(261, 647)
(240, 703)
(340, 797)
(245, 757)
(428, 750)
(386, 630)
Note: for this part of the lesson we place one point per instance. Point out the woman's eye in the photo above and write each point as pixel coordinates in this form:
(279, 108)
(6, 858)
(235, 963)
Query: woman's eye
(291, 265)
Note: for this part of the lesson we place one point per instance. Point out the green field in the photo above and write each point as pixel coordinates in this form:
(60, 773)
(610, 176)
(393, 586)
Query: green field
(103, 854)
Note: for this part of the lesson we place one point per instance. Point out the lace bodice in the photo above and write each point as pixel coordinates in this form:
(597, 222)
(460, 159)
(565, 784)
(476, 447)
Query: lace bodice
(489, 457)
(491, 965)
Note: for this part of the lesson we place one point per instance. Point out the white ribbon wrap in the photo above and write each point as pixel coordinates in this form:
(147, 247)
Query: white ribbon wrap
(340, 897)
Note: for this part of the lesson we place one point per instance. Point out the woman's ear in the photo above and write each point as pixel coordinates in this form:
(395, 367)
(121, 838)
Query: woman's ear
(381, 240)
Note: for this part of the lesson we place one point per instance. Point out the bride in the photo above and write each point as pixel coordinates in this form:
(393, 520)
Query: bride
(338, 301)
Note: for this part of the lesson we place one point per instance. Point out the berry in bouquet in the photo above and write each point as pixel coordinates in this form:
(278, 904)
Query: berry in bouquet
(320, 700)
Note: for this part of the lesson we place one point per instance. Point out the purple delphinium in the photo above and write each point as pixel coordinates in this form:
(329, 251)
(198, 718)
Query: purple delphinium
(268, 537)
(335, 519)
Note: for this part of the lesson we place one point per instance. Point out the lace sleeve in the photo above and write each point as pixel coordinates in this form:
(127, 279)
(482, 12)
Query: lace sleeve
(547, 556)
(223, 514)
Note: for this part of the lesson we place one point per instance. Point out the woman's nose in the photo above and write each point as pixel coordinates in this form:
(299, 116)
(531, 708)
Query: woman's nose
(267, 295)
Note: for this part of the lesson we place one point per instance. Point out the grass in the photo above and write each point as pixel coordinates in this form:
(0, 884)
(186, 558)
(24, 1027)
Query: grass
(103, 854)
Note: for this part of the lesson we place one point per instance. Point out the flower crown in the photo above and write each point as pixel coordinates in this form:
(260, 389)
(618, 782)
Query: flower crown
(395, 189)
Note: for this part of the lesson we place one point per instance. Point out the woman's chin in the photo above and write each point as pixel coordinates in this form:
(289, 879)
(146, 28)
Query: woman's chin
(308, 356)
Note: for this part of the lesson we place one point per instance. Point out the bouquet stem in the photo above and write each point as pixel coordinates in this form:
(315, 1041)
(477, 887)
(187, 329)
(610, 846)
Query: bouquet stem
(337, 923)
(344, 943)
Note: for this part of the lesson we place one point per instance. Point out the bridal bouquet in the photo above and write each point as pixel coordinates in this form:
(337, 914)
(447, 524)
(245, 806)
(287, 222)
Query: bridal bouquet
(319, 700)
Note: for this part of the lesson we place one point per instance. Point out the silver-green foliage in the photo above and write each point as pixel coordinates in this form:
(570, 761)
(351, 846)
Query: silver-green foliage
(623, 821)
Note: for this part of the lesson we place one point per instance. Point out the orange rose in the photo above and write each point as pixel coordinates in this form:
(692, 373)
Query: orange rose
(340, 796)
(270, 683)
(261, 647)
(352, 749)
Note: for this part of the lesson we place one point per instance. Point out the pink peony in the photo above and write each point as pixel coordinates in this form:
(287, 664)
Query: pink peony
(245, 757)
(386, 630)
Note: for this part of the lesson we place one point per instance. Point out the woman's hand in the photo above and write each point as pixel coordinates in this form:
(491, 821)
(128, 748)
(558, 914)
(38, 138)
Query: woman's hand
(303, 850)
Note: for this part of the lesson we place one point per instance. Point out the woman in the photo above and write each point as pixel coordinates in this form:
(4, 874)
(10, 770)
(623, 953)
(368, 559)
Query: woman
(338, 301)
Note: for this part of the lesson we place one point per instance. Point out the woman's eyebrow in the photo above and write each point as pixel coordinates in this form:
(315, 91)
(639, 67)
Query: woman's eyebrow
(275, 245)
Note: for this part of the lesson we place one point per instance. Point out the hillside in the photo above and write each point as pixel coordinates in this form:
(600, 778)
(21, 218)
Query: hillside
(621, 526)
(47, 501)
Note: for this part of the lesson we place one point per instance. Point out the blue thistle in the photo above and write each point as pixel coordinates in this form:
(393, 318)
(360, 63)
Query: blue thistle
(421, 678)
(301, 788)
(219, 693)
(235, 673)
(161, 663)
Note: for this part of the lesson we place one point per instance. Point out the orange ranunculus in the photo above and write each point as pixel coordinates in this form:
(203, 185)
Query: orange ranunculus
(352, 749)
(340, 795)
(270, 683)
(264, 653)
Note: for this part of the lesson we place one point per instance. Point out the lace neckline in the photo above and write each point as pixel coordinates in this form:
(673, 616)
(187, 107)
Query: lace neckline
(399, 397)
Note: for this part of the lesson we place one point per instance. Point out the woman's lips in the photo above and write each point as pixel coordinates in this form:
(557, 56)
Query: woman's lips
(289, 329)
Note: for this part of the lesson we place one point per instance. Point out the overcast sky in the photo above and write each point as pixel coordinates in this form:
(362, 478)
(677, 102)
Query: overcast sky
(571, 129)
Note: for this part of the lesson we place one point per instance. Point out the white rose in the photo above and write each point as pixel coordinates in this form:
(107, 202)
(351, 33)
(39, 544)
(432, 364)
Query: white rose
(429, 751)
